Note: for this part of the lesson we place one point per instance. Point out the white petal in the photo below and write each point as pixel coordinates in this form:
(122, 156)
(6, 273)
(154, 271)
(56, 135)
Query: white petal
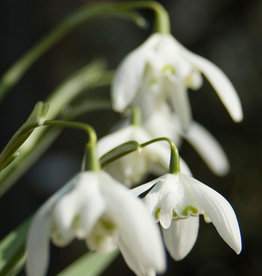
(137, 227)
(181, 236)
(129, 75)
(112, 140)
(63, 214)
(84, 205)
(121, 136)
(92, 203)
(164, 198)
(208, 148)
(178, 95)
(133, 260)
(218, 210)
(184, 167)
(219, 81)
(158, 156)
(100, 243)
(37, 246)
(170, 195)
(144, 187)
(163, 123)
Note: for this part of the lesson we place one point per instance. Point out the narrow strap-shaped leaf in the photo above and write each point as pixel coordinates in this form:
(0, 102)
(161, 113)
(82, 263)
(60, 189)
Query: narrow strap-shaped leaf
(12, 255)
(90, 76)
(34, 120)
(91, 264)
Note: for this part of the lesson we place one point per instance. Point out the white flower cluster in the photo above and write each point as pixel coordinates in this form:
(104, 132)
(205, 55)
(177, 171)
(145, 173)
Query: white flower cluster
(99, 207)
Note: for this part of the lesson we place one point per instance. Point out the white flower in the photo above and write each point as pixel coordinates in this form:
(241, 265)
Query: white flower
(176, 201)
(160, 71)
(166, 124)
(95, 207)
(133, 167)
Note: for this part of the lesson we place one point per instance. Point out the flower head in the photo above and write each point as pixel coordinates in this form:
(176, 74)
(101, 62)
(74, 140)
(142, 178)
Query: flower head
(160, 71)
(174, 198)
(133, 167)
(166, 124)
(98, 209)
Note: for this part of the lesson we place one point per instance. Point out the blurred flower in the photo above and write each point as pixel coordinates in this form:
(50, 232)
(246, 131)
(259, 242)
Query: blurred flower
(166, 124)
(98, 209)
(174, 198)
(135, 166)
(160, 71)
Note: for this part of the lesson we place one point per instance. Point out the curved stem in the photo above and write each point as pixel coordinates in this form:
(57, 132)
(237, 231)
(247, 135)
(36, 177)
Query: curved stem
(91, 161)
(18, 69)
(135, 116)
(162, 23)
(131, 146)
(174, 166)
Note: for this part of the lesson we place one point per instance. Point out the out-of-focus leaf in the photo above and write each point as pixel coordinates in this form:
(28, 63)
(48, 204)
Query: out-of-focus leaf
(90, 76)
(34, 120)
(91, 264)
(12, 256)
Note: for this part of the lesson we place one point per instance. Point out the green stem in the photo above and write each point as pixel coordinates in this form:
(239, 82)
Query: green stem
(18, 69)
(135, 116)
(91, 76)
(174, 166)
(131, 146)
(91, 161)
(162, 23)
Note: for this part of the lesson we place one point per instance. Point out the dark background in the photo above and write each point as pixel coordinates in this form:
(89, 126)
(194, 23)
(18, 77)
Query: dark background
(228, 32)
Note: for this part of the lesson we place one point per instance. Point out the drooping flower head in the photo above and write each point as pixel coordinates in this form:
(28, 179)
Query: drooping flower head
(134, 167)
(166, 124)
(176, 201)
(96, 208)
(160, 71)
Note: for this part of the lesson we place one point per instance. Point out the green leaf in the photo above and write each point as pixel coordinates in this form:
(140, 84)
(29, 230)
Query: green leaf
(34, 120)
(87, 105)
(90, 76)
(91, 264)
(118, 152)
(12, 256)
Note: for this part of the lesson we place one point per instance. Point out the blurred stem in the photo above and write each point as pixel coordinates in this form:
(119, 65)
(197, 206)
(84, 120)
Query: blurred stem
(131, 146)
(162, 21)
(91, 162)
(18, 69)
(135, 116)
(91, 76)
(174, 165)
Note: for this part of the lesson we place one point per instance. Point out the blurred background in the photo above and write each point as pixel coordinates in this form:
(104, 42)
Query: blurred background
(227, 32)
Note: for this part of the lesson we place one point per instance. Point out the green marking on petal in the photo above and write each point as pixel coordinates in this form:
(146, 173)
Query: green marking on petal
(169, 68)
(157, 213)
(108, 225)
(175, 214)
(153, 81)
(190, 209)
(76, 222)
(99, 240)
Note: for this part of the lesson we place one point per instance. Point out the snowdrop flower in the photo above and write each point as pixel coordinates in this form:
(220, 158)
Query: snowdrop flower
(96, 208)
(176, 201)
(132, 168)
(161, 70)
(165, 123)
